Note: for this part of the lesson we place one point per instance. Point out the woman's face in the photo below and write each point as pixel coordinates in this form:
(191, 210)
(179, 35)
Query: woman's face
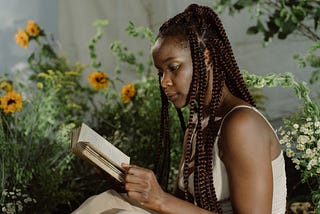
(172, 58)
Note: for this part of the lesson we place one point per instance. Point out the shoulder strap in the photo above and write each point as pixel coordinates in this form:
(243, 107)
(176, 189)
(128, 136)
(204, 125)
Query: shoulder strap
(234, 108)
(250, 107)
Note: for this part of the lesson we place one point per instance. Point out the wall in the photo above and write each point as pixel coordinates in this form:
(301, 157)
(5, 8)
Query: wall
(13, 15)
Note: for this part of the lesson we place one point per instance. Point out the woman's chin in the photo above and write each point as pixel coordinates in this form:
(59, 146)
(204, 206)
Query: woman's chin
(179, 104)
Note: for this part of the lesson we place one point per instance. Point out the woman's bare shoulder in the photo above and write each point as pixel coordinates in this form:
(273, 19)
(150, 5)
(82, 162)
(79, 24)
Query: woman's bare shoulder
(244, 130)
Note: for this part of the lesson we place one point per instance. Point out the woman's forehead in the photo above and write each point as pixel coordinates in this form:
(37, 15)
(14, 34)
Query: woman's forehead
(168, 42)
(169, 48)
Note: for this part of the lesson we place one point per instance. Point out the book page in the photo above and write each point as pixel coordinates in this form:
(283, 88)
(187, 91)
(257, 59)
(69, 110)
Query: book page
(101, 145)
(103, 163)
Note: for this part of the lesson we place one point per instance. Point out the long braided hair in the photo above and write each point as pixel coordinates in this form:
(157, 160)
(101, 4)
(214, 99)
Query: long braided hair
(203, 30)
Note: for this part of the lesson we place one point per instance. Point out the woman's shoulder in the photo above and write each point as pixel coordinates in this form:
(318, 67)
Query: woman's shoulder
(243, 119)
(244, 128)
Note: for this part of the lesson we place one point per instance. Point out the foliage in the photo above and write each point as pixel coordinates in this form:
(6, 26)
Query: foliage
(311, 59)
(302, 91)
(301, 139)
(123, 55)
(17, 201)
(38, 172)
(278, 18)
(281, 19)
(32, 154)
(45, 59)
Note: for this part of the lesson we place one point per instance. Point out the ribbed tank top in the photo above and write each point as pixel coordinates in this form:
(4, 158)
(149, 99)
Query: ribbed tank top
(220, 175)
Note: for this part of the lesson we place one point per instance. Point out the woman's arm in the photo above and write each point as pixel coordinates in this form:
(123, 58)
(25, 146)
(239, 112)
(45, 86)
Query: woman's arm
(246, 152)
(143, 187)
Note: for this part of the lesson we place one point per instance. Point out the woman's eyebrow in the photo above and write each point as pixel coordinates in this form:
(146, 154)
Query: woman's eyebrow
(165, 61)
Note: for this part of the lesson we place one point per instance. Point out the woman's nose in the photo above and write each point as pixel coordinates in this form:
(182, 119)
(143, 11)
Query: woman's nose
(166, 80)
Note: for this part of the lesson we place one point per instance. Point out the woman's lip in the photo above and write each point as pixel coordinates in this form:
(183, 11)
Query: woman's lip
(171, 96)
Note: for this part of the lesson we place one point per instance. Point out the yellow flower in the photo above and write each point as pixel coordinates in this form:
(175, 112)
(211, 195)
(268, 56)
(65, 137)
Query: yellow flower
(11, 102)
(32, 28)
(40, 85)
(6, 86)
(22, 38)
(127, 92)
(98, 80)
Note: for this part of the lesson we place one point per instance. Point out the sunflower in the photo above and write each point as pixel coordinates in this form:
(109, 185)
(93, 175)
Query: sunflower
(127, 92)
(32, 28)
(98, 80)
(11, 102)
(6, 86)
(22, 38)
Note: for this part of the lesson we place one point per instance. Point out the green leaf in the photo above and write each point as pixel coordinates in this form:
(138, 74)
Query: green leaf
(260, 26)
(252, 30)
(299, 13)
(31, 58)
(313, 61)
(278, 22)
(315, 77)
(316, 18)
(47, 51)
(101, 23)
(301, 90)
(283, 12)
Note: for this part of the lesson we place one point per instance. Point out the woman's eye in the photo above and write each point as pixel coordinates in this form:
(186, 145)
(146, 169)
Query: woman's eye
(174, 67)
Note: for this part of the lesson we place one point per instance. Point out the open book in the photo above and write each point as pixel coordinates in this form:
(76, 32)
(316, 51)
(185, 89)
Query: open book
(92, 147)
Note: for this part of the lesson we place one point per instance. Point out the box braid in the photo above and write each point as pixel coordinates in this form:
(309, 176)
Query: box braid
(163, 158)
(202, 29)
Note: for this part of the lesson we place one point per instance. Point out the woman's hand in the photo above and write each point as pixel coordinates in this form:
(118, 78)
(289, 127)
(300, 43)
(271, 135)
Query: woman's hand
(142, 186)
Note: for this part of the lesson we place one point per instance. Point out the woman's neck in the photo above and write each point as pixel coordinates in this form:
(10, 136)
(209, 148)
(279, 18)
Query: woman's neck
(227, 102)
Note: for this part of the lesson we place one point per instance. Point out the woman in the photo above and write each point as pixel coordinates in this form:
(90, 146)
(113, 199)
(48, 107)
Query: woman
(232, 161)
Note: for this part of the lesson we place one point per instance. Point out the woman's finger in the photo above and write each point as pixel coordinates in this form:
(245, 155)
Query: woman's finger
(139, 171)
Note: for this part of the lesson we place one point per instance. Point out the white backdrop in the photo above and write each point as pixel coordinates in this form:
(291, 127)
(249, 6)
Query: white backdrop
(13, 15)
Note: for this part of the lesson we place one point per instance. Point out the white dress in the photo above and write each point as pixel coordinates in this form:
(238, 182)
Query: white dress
(220, 176)
(111, 202)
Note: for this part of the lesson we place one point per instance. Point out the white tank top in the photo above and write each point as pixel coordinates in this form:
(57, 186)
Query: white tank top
(220, 176)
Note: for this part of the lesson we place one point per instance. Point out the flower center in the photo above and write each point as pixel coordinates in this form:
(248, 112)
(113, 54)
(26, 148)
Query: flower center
(100, 79)
(11, 101)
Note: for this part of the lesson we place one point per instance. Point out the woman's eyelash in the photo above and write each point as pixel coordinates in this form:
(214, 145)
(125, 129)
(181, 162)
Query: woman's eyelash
(171, 68)
(174, 67)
